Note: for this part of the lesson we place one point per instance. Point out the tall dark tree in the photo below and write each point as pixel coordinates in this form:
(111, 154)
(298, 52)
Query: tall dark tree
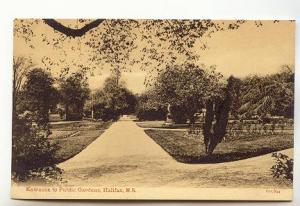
(114, 99)
(38, 95)
(216, 117)
(32, 151)
(74, 92)
(148, 108)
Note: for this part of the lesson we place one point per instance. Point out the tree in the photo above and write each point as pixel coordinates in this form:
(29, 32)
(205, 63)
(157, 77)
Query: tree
(117, 40)
(38, 95)
(150, 45)
(272, 94)
(131, 102)
(148, 108)
(21, 67)
(113, 100)
(216, 117)
(113, 92)
(186, 87)
(32, 152)
(74, 92)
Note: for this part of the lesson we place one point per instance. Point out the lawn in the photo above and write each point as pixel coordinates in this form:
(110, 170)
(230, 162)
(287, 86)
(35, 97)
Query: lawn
(189, 149)
(73, 137)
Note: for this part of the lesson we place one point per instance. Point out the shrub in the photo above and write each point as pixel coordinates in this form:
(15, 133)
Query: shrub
(143, 113)
(180, 114)
(110, 114)
(283, 166)
(148, 108)
(32, 153)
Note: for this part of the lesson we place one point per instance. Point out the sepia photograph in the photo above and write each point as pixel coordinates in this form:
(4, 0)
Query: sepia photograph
(153, 109)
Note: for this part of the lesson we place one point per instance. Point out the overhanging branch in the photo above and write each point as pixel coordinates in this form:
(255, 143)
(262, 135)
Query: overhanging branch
(70, 31)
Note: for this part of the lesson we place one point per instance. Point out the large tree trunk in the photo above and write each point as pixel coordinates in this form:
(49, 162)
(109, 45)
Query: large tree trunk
(216, 118)
(213, 142)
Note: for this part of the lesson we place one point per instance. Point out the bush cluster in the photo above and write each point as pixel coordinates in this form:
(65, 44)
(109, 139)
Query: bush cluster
(283, 167)
(32, 152)
(145, 113)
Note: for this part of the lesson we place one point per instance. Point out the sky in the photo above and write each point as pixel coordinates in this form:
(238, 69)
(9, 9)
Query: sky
(251, 49)
(245, 51)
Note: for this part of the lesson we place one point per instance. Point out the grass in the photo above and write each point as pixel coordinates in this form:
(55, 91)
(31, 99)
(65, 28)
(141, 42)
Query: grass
(72, 138)
(191, 150)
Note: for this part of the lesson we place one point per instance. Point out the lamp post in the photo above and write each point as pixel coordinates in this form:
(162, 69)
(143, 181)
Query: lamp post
(92, 106)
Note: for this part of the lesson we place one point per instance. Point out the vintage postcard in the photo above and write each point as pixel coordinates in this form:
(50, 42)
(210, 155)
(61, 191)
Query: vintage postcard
(153, 109)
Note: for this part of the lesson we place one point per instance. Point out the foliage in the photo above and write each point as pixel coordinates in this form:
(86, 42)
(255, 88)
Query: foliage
(74, 92)
(116, 41)
(185, 88)
(113, 100)
(118, 97)
(148, 108)
(49, 174)
(34, 94)
(272, 94)
(21, 67)
(236, 97)
(32, 153)
(38, 95)
(283, 167)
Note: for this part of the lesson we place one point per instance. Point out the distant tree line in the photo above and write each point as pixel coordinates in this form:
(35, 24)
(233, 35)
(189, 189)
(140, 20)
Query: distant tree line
(189, 89)
(111, 101)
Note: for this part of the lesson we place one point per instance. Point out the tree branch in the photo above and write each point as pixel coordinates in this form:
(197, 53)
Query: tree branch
(70, 31)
